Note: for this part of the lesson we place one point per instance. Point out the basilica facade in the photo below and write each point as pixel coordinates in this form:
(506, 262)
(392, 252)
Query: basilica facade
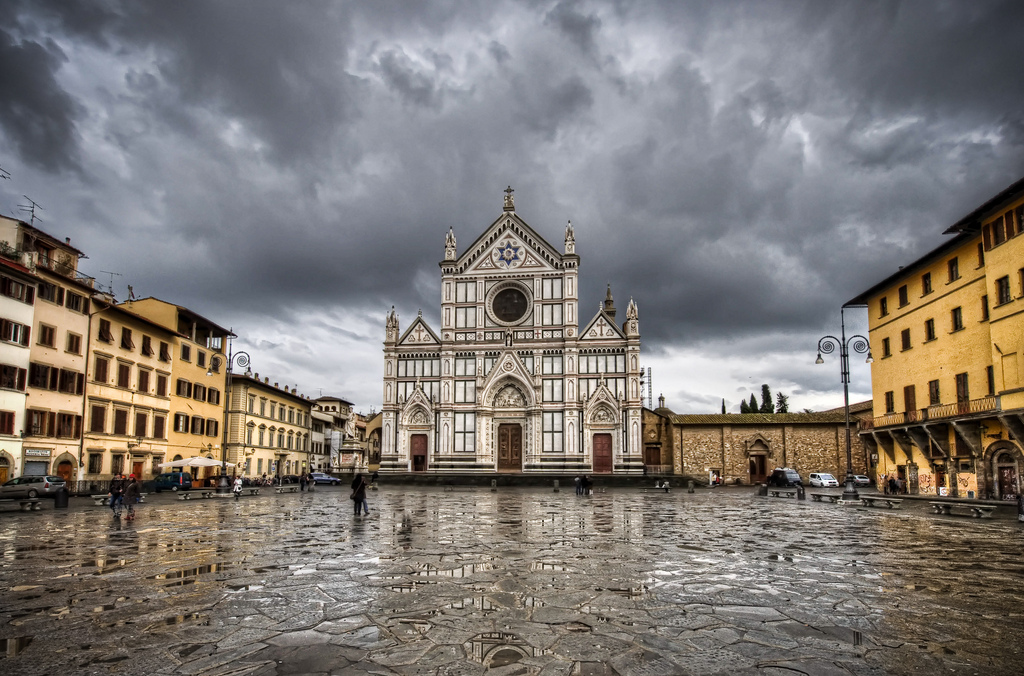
(510, 382)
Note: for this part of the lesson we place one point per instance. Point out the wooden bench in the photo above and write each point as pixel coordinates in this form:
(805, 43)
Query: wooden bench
(976, 511)
(881, 500)
(782, 492)
(287, 489)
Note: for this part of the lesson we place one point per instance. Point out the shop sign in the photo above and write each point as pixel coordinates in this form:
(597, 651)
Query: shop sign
(38, 452)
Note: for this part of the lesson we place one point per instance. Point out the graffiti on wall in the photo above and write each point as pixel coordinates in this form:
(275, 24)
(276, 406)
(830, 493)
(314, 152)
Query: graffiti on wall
(926, 482)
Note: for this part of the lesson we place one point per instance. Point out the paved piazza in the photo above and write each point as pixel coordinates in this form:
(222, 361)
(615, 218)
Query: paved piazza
(519, 581)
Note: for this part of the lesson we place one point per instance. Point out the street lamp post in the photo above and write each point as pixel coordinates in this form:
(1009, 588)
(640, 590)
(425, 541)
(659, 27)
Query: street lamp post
(242, 359)
(860, 344)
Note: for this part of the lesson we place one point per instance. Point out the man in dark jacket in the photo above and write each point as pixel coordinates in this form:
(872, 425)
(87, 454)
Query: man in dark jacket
(116, 491)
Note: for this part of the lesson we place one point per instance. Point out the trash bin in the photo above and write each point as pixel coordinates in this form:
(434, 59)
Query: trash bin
(60, 498)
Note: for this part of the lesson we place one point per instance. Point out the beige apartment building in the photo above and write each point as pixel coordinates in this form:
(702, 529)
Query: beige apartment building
(54, 338)
(276, 423)
(198, 383)
(128, 403)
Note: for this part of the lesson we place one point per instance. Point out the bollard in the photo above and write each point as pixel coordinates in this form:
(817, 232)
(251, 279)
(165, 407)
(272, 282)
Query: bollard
(60, 498)
(800, 493)
(689, 486)
(494, 485)
(556, 485)
(762, 489)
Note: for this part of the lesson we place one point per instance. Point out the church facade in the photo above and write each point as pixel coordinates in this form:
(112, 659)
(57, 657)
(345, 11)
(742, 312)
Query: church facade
(509, 382)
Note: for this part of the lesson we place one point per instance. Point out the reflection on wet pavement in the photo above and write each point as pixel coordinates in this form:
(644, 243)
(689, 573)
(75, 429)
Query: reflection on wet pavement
(521, 581)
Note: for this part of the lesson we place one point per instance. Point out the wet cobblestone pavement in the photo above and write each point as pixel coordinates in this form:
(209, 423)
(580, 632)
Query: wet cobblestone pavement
(520, 581)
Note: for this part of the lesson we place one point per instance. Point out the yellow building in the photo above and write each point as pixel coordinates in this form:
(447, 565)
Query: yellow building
(947, 336)
(127, 391)
(277, 426)
(199, 380)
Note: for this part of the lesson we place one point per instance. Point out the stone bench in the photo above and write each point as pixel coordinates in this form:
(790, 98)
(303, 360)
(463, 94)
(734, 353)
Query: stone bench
(782, 492)
(821, 497)
(104, 499)
(203, 494)
(287, 489)
(976, 511)
(882, 501)
(30, 505)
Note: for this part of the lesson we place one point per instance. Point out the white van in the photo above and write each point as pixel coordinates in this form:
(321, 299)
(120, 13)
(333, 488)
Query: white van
(824, 480)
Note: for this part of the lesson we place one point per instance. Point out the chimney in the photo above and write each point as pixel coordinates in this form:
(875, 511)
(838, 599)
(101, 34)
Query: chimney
(67, 240)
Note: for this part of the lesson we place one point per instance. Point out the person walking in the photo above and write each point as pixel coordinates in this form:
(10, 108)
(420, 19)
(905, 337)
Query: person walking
(579, 485)
(302, 482)
(132, 492)
(236, 488)
(116, 493)
(359, 494)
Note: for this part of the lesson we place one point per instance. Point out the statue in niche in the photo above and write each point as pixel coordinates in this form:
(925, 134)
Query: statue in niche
(603, 415)
(419, 418)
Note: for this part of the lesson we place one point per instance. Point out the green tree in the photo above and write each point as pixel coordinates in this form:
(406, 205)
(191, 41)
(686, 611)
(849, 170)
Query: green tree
(781, 403)
(744, 406)
(723, 405)
(753, 404)
(767, 403)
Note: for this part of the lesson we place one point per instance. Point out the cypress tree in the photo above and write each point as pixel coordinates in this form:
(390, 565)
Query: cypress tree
(723, 405)
(767, 403)
(744, 406)
(781, 403)
(752, 406)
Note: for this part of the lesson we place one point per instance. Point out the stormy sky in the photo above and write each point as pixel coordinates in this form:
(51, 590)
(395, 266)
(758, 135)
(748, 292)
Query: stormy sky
(290, 169)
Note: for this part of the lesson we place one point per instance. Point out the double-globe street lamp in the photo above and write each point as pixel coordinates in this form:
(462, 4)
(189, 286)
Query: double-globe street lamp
(242, 359)
(860, 344)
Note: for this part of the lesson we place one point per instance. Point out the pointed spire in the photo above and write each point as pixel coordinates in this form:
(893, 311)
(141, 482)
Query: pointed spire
(631, 311)
(609, 303)
(449, 245)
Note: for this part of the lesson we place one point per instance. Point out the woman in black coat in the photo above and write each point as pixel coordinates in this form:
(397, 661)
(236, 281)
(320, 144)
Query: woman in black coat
(359, 494)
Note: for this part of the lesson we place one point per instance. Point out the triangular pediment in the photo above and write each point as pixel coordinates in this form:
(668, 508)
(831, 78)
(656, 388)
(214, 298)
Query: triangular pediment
(509, 245)
(508, 369)
(601, 327)
(419, 333)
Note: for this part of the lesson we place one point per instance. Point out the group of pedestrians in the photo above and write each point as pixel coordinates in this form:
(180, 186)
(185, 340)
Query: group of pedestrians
(124, 491)
(893, 485)
(584, 486)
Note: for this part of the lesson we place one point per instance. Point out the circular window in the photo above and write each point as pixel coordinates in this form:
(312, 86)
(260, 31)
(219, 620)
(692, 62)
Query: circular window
(510, 304)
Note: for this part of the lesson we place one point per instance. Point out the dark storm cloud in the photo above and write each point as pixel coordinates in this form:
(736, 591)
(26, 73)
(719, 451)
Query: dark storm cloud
(738, 168)
(37, 116)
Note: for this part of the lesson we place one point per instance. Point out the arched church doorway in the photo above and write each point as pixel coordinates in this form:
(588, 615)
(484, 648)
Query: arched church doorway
(602, 453)
(418, 450)
(510, 447)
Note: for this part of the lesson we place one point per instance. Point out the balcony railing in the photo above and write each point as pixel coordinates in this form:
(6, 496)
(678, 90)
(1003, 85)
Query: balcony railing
(63, 268)
(934, 413)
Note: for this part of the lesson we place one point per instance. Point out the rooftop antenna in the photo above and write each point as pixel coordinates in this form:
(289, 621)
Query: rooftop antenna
(30, 209)
(5, 174)
(111, 286)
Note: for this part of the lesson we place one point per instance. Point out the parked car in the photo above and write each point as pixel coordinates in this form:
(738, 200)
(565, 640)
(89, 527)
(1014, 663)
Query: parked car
(823, 480)
(784, 476)
(173, 481)
(861, 481)
(321, 478)
(32, 487)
